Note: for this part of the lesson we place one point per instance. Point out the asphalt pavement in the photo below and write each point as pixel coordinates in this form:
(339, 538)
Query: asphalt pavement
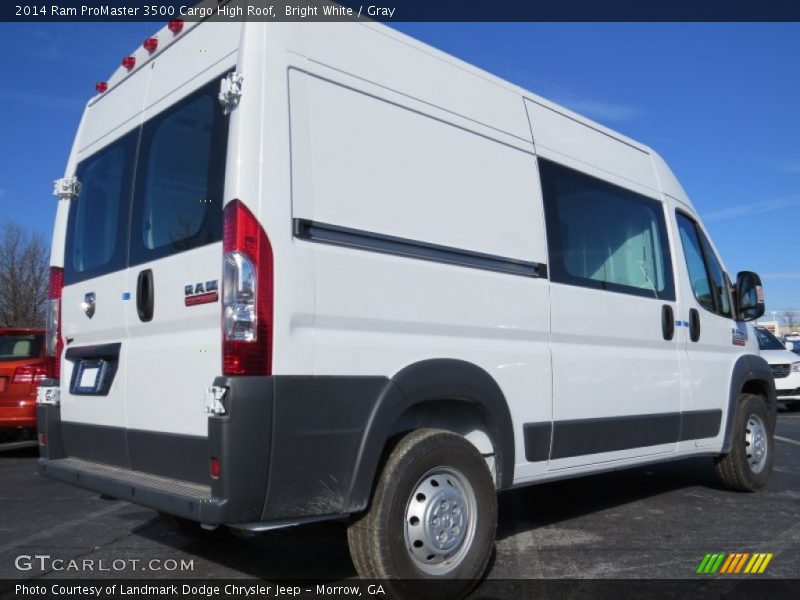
(654, 522)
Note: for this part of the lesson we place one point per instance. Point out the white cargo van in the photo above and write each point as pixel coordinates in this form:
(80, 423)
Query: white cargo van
(311, 271)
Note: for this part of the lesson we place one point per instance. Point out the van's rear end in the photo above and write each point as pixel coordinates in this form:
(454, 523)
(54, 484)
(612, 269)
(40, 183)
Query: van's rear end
(145, 218)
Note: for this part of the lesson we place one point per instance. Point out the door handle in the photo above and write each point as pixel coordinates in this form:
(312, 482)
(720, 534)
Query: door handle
(694, 325)
(667, 322)
(145, 295)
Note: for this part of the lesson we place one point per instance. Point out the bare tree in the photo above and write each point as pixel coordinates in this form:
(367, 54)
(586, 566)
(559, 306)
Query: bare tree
(24, 259)
(791, 317)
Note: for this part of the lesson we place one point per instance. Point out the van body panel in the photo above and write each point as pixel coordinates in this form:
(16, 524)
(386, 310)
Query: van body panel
(112, 116)
(379, 55)
(570, 138)
(445, 179)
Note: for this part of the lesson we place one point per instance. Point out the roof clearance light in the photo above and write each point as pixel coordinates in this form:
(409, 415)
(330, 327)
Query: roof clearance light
(175, 26)
(101, 87)
(150, 44)
(129, 62)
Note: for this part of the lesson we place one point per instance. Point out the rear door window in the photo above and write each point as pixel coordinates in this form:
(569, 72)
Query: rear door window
(178, 197)
(98, 218)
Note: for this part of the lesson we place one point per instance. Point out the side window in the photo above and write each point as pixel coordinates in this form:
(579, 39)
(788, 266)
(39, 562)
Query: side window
(178, 192)
(603, 236)
(709, 282)
(98, 217)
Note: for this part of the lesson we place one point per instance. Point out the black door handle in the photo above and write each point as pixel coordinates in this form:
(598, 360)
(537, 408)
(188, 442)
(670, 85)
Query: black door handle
(694, 325)
(667, 322)
(145, 295)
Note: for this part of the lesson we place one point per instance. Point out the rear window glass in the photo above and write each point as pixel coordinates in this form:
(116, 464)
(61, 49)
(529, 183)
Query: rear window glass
(97, 231)
(178, 201)
(19, 347)
(155, 192)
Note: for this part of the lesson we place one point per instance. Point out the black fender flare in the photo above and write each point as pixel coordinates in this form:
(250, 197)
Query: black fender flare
(427, 381)
(749, 368)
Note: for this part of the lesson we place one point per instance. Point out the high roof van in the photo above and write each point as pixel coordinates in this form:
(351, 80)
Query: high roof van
(306, 271)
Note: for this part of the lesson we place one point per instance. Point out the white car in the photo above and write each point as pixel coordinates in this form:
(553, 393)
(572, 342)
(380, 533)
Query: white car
(785, 368)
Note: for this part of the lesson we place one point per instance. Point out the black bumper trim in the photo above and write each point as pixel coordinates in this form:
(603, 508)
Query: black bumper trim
(182, 498)
(288, 447)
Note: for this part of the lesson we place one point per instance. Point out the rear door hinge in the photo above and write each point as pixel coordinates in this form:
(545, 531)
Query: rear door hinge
(230, 91)
(66, 188)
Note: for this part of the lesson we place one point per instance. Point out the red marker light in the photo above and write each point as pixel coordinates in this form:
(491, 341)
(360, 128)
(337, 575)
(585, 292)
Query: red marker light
(215, 468)
(129, 62)
(101, 87)
(150, 44)
(175, 26)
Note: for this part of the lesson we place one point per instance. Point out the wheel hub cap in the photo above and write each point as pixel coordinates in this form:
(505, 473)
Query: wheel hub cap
(440, 520)
(756, 443)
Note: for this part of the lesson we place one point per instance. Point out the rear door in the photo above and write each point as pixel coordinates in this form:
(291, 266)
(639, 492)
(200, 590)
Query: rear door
(93, 298)
(173, 344)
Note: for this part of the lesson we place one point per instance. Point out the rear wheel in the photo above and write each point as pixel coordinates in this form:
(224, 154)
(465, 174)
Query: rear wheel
(747, 467)
(432, 518)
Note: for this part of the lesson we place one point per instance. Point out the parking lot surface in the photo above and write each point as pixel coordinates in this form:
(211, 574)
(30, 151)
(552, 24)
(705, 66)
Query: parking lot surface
(649, 522)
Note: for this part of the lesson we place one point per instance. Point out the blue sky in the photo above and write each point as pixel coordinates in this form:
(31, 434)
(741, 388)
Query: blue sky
(718, 101)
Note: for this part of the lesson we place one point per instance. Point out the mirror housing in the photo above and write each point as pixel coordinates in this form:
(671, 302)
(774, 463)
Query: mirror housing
(789, 346)
(749, 296)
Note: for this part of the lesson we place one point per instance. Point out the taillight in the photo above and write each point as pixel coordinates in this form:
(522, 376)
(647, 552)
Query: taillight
(247, 294)
(53, 341)
(29, 374)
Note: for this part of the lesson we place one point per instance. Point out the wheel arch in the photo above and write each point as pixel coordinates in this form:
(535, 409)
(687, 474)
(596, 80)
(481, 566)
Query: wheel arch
(433, 382)
(751, 375)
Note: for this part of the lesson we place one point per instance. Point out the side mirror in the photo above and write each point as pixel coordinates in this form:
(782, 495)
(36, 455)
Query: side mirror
(749, 296)
(789, 346)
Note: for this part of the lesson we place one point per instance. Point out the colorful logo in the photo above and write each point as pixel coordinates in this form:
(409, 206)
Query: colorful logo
(734, 563)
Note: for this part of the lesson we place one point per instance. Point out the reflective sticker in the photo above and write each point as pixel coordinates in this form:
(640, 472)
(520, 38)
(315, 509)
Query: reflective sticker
(126, 295)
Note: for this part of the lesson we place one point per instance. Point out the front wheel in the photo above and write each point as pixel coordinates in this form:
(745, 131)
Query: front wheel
(747, 467)
(432, 518)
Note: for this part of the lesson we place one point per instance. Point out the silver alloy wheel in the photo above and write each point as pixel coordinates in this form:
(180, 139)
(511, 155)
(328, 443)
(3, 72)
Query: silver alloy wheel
(756, 443)
(441, 516)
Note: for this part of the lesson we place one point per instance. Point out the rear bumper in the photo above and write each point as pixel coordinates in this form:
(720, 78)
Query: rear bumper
(19, 417)
(785, 394)
(288, 448)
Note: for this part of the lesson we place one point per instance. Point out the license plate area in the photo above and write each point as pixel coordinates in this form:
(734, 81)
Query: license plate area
(88, 376)
(94, 368)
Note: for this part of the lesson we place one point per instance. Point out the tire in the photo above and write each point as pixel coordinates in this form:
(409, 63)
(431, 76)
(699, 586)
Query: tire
(747, 467)
(194, 531)
(430, 528)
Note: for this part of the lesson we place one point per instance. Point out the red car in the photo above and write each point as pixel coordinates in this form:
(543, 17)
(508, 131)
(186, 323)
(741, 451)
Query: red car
(22, 367)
